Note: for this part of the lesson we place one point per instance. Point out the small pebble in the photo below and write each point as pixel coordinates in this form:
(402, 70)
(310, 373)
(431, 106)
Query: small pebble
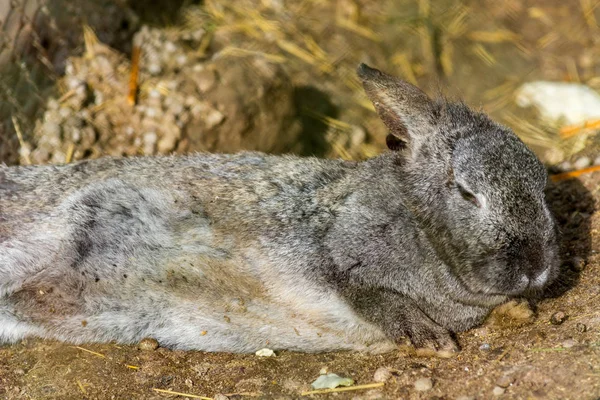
(558, 318)
(213, 118)
(382, 374)
(324, 371)
(577, 264)
(485, 347)
(331, 381)
(220, 397)
(148, 344)
(567, 344)
(505, 381)
(498, 391)
(565, 166)
(465, 398)
(597, 160)
(423, 384)
(265, 353)
(582, 162)
(581, 328)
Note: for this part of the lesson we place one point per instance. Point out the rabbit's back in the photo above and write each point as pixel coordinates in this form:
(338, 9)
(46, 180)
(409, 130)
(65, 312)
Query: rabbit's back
(191, 250)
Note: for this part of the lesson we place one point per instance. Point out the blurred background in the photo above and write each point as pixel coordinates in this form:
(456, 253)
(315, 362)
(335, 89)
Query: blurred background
(86, 78)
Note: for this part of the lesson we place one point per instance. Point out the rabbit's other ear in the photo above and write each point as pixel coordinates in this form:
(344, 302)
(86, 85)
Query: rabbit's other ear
(405, 109)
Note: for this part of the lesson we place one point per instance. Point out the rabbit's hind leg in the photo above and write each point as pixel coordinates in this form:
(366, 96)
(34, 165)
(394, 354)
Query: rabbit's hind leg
(13, 329)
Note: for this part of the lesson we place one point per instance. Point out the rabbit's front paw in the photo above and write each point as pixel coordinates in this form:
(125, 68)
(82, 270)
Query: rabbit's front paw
(431, 340)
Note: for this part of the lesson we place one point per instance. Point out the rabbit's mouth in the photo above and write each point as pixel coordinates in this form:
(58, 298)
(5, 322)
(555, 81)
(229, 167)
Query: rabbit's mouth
(528, 283)
(519, 285)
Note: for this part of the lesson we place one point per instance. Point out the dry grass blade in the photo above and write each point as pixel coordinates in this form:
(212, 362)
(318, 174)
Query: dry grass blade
(344, 389)
(318, 52)
(90, 40)
(369, 150)
(240, 52)
(498, 36)
(210, 6)
(594, 82)
(297, 51)
(458, 25)
(365, 103)
(22, 142)
(524, 49)
(70, 151)
(304, 55)
(547, 40)
(329, 121)
(572, 70)
(133, 77)
(547, 349)
(499, 103)
(574, 174)
(89, 351)
(484, 55)
(81, 387)
(67, 96)
(358, 29)
(424, 8)
(341, 151)
(531, 134)
(426, 40)
(572, 130)
(446, 58)
(191, 396)
(588, 12)
(540, 14)
(249, 394)
(348, 76)
(505, 89)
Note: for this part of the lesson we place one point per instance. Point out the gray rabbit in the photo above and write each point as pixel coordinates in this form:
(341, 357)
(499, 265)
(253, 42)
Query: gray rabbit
(239, 252)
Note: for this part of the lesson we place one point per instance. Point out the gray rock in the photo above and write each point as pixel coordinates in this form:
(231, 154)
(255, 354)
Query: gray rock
(498, 391)
(382, 374)
(148, 344)
(423, 384)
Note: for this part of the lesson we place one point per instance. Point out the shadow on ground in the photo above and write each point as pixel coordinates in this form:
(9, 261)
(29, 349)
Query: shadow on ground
(572, 206)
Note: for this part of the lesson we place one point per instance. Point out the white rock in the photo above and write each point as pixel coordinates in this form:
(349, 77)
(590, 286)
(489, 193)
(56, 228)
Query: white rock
(582, 162)
(423, 384)
(382, 374)
(331, 381)
(265, 353)
(565, 166)
(560, 102)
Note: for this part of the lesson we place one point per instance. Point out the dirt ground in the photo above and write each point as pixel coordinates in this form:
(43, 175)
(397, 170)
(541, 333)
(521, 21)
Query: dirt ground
(478, 50)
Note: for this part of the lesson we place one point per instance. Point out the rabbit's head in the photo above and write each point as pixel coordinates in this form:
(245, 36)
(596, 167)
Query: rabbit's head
(475, 189)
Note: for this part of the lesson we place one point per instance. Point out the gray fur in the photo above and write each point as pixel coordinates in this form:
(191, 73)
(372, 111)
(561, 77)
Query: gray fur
(239, 252)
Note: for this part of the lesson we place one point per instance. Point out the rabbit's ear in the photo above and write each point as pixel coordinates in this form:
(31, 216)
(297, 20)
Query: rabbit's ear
(404, 108)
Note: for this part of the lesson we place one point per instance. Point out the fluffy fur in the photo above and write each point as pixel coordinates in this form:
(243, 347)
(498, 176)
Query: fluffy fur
(238, 252)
